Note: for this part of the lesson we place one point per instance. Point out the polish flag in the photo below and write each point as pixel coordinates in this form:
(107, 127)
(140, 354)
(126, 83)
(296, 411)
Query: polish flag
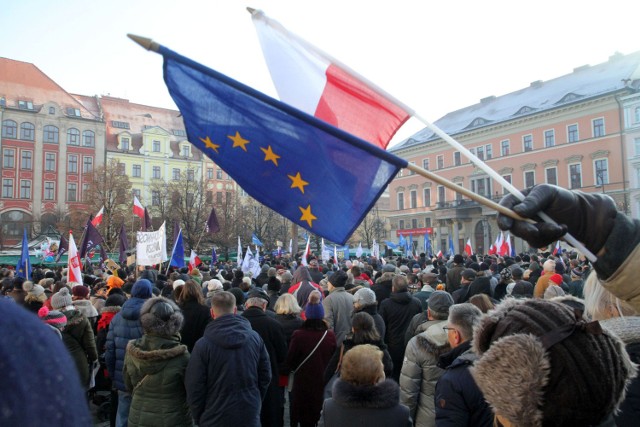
(509, 248)
(194, 261)
(98, 218)
(306, 253)
(138, 209)
(498, 243)
(314, 82)
(504, 247)
(492, 249)
(557, 250)
(439, 254)
(74, 273)
(467, 248)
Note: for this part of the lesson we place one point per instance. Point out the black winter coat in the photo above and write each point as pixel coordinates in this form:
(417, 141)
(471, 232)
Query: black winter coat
(289, 323)
(377, 319)
(196, 319)
(382, 289)
(348, 345)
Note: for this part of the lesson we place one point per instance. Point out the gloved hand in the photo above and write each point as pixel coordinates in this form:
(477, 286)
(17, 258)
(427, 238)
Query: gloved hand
(586, 216)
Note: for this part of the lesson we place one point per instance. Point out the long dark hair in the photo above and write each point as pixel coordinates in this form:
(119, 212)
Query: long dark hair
(364, 328)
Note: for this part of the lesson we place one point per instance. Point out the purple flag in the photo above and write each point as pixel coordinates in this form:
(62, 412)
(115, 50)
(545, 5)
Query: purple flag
(212, 222)
(124, 244)
(91, 239)
(63, 247)
(103, 256)
(146, 223)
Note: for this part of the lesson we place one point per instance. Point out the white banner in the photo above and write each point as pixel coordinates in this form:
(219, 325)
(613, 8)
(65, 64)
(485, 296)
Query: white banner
(151, 247)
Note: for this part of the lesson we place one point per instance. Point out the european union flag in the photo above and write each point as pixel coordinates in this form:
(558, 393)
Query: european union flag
(23, 269)
(427, 245)
(177, 255)
(402, 242)
(451, 245)
(299, 166)
(255, 240)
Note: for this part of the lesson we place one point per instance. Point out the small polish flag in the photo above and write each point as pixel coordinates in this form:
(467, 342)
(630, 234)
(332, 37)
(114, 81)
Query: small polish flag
(194, 261)
(557, 250)
(138, 209)
(439, 254)
(505, 247)
(304, 260)
(98, 218)
(467, 248)
(75, 273)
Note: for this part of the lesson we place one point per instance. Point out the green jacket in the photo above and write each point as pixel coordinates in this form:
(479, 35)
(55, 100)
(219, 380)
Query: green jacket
(154, 370)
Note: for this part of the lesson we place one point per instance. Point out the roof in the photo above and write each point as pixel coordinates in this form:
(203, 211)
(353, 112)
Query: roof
(618, 73)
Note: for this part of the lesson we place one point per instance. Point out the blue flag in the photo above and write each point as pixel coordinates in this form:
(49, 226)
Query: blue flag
(23, 268)
(177, 254)
(427, 245)
(402, 243)
(410, 244)
(214, 256)
(390, 244)
(450, 245)
(255, 240)
(293, 163)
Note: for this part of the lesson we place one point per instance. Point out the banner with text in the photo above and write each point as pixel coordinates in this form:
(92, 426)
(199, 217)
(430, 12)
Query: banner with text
(151, 247)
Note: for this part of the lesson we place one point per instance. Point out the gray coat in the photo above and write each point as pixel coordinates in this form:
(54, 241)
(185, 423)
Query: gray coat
(420, 372)
(338, 307)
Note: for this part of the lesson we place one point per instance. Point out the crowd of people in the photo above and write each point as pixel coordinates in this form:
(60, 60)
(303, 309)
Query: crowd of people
(532, 340)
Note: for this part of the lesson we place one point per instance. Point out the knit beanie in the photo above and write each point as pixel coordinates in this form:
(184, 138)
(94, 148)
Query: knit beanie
(314, 308)
(506, 275)
(31, 289)
(553, 291)
(61, 299)
(80, 291)
(52, 317)
(115, 300)
(142, 289)
(214, 285)
(541, 364)
(556, 278)
(161, 316)
(364, 297)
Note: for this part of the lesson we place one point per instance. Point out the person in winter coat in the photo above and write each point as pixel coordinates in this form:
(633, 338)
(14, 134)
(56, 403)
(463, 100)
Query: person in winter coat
(112, 306)
(362, 396)
(384, 283)
(303, 286)
(81, 303)
(397, 312)
(288, 314)
(125, 327)
(364, 300)
(455, 273)
(77, 335)
(458, 400)
(308, 382)
(154, 368)
(35, 297)
(549, 269)
(196, 314)
(338, 306)
(420, 371)
(54, 319)
(229, 370)
(422, 321)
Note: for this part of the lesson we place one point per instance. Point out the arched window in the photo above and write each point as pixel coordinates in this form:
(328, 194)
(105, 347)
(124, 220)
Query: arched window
(50, 134)
(14, 222)
(27, 131)
(52, 110)
(88, 138)
(73, 136)
(9, 129)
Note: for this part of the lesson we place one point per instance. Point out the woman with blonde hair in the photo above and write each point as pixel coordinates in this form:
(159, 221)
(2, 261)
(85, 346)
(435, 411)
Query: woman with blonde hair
(288, 314)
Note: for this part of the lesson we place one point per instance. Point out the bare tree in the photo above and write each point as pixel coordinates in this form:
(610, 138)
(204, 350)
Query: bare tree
(188, 205)
(370, 228)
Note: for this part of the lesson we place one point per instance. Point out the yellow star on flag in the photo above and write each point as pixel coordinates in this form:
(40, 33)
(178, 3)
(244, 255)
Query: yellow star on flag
(239, 141)
(270, 155)
(209, 144)
(307, 215)
(298, 182)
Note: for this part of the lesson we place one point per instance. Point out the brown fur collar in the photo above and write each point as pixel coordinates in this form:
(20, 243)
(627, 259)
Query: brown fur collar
(111, 309)
(74, 317)
(158, 354)
(382, 395)
(427, 345)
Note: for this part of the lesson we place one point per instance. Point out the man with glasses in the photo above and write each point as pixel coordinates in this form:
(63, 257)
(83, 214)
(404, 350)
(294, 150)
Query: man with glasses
(458, 400)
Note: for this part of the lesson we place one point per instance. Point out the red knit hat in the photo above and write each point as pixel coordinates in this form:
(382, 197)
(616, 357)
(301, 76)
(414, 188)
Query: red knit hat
(556, 278)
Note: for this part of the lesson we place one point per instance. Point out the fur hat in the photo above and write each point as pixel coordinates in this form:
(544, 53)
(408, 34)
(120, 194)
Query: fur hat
(214, 285)
(52, 317)
(458, 259)
(541, 364)
(30, 288)
(365, 297)
(161, 316)
(314, 308)
(80, 291)
(61, 299)
(553, 291)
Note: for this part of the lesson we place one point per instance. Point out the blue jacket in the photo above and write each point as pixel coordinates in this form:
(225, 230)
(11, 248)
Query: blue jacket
(228, 374)
(124, 327)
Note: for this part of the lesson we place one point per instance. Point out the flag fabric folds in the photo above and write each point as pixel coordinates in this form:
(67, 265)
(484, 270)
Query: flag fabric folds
(146, 222)
(239, 253)
(213, 226)
(402, 243)
(468, 248)
(390, 244)
(98, 218)
(306, 253)
(90, 240)
(427, 245)
(194, 260)
(301, 167)
(255, 240)
(138, 209)
(557, 250)
(23, 268)
(63, 248)
(74, 262)
(317, 84)
(451, 250)
(359, 250)
(214, 256)
(177, 253)
(123, 244)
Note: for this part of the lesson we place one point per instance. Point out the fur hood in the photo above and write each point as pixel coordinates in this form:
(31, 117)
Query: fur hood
(385, 394)
(74, 317)
(161, 316)
(387, 276)
(111, 309)
(434, 340)
(136, 349)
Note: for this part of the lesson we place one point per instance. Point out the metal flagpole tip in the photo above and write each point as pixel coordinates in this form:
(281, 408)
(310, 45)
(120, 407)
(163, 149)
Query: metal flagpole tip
(251, 10)
(145, 42)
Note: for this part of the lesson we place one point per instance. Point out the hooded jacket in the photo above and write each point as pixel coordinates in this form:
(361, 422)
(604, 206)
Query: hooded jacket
(228, 374)
(79, 340)
(154, 366)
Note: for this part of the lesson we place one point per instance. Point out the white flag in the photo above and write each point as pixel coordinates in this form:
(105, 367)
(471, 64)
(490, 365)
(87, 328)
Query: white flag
(306, 251)
(359, 250)
(151, 246)
(239, 260)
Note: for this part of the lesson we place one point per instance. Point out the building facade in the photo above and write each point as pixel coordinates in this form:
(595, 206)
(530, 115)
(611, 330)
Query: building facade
(578, 131)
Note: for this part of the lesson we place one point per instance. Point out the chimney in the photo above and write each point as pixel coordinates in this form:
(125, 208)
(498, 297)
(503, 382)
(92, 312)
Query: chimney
(536, 84)
(487, 99)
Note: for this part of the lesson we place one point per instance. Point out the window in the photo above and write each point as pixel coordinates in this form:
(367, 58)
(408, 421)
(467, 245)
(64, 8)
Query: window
(52, 110)
(481, 186)
(527, 143)
(25, 189)
(209, 173)
(401, 224)
(575, 176)
(551, 176)
(49, 190)
(598, 127)
(85, 192)
(88, 138)
(637, 115)
(156, 172)
(73, 112)
(8, 158)
(72, 166)
(190, 175)
(549, 138)
(50, 134)
(25, 105)
(441, 195)
(572, 133)
(488, 151)
(414, 223)
(425, 164)
(155, 198)
(136, 192)
(137, 171)
(480, 152)
(427, 222)
(219, 197)
(49, 162)
(7, 188)
(122, 169)
(411, 172)
(426, 197)
(508, 179)
(179, 132)
(601, 167)
(456, 158)
(413, 199)
(185, 151)
(73, 136)
(209, 197)
(504, 147)
(27, 131)
(529, 179)
(87, 164)
(175, 174)
(155, 147)
(219, 174)
(26, 160)
(636, 144)
(120, 125)
(72, 192)
(400, 201)
(440, 161)
(124, 143)
(9, 129)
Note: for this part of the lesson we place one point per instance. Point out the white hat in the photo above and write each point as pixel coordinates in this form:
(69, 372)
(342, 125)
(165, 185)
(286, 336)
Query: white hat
(177, 283)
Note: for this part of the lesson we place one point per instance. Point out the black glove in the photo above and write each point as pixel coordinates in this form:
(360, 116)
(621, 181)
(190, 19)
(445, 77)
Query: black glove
(586, 216)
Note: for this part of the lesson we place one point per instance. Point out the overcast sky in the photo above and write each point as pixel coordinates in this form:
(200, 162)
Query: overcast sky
(435, 56)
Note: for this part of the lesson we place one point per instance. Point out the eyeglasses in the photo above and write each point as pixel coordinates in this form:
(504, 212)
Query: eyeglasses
(447, 329)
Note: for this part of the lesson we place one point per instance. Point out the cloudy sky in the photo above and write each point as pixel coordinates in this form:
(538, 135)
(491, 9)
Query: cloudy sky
(435, 56)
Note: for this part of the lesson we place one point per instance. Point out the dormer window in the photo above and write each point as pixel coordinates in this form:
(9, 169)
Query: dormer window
(155, 146)
(569, 97)
(524, 110)
(73, 112)
(125, 144)
(25, 105)
(185, 151)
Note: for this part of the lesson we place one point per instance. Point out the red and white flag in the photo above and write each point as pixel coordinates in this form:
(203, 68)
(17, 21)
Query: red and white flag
(439, 254)
(194, 261)
(98, 218)
(74, 273)
(467, 248)
(504, 246)
(306, 253)
(509, 248)
(314, 82)
(138, 209)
